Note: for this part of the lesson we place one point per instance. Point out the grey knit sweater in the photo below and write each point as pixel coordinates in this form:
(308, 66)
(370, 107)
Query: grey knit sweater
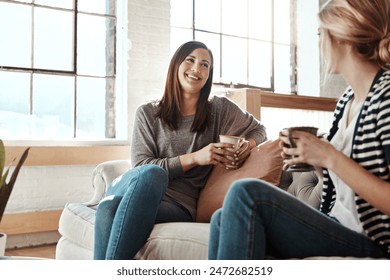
(153, 142)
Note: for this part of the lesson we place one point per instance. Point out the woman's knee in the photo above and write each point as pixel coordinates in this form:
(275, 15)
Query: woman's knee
(154, 178)
(146, 177)
(251, 189)
(155, 172)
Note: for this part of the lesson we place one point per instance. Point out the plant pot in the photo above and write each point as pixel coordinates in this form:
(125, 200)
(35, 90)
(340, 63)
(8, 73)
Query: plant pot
(3, 242)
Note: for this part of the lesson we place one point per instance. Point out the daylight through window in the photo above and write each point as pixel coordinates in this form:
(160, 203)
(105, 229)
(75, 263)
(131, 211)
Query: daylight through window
(58, 69)
(252, 41)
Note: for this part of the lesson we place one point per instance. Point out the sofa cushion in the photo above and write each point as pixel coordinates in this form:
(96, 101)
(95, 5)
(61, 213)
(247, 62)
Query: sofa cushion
(176, 241)
(265, 162)
(77, 224)
(168, 241)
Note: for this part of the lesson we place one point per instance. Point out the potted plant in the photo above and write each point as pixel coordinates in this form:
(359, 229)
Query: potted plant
(7, 186)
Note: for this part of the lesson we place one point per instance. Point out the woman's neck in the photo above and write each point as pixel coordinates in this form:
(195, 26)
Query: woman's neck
(360, 74)
(189, 104)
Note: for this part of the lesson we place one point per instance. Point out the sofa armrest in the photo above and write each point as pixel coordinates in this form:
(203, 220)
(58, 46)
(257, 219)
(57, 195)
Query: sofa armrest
(102, 176)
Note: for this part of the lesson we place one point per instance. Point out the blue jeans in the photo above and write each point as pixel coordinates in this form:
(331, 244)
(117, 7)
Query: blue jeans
(259, 220)
(126, 216)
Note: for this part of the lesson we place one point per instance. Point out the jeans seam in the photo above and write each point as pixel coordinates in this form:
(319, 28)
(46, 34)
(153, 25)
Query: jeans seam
(119, 233)
(251, 233)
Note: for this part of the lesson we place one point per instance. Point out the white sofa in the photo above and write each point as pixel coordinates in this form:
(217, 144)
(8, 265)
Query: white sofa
(169, 241)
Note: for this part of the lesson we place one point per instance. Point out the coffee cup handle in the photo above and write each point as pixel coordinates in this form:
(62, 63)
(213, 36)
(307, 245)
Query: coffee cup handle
(244, 143)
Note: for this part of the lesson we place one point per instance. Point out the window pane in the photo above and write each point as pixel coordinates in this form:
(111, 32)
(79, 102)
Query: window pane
(178, 37)
(96, 45)
(17, 86)
(260, 20)
(15, 47)
(53, 105)
(234, 18)
(282, 68)
(260, 62)
(282, 22)
(91, 107)
(181, 13)
(14, 112)
(213, 43)
(67, 4)
(97, 6)
(207, 15)
(234, 60)
(53, 46)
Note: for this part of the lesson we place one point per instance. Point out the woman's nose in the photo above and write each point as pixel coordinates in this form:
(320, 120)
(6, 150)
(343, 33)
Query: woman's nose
(195, 69)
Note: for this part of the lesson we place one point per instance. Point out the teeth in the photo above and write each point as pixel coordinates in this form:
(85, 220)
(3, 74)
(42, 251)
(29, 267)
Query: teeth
(193, 77)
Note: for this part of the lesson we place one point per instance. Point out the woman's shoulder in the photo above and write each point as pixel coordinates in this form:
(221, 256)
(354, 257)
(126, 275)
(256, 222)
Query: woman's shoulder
(148, 108)
(381, 87)
(220, 101)
(384, 80)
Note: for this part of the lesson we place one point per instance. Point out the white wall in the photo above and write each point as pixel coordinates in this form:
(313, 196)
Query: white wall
(149, 32)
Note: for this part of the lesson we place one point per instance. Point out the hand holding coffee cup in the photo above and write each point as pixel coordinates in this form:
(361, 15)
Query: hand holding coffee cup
(236, 142)
(288, 132)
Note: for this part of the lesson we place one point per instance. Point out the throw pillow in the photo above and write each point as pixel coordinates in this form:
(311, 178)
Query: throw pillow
(265, 162)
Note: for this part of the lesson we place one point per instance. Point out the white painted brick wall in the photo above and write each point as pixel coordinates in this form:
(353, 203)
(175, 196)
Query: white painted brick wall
(149, 56)
(40, 188)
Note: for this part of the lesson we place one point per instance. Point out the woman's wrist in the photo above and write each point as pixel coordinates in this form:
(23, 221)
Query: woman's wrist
(187, 161)
(252, 143)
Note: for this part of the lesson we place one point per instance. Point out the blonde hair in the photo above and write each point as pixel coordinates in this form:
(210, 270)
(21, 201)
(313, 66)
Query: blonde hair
(363, 24)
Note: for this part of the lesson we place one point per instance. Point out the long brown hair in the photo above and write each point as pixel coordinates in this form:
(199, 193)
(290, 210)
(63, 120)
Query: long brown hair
(169, 106)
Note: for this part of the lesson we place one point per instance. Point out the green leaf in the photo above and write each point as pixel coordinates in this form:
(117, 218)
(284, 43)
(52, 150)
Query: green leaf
(17, 168)
(6, 188)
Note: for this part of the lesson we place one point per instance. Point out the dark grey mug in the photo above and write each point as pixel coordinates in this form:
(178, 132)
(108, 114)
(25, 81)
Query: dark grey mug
(300, 167)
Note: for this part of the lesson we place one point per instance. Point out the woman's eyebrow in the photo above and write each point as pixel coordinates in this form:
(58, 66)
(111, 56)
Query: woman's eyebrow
(203, 60)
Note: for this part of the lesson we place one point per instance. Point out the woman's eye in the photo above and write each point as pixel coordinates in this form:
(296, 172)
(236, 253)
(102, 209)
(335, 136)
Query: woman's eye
(190, 59)
(205, 65)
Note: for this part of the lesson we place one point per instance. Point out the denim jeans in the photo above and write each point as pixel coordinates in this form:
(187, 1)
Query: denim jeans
(133, 204)
(259, 220)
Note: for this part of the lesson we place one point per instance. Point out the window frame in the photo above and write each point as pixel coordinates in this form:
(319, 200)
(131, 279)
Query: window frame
(273, 42)
(118, 79)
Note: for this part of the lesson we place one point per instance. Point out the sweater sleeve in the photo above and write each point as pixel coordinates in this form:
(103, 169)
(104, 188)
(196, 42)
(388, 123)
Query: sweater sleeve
(144, 149)
(238, 122)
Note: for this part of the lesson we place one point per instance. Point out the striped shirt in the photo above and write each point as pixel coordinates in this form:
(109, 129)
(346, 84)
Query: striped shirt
(371, 149)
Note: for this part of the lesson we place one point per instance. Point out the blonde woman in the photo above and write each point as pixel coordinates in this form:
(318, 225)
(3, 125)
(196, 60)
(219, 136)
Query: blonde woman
(259, 220)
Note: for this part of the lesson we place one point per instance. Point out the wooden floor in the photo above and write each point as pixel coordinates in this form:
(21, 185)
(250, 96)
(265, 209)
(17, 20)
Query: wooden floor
(44, 251)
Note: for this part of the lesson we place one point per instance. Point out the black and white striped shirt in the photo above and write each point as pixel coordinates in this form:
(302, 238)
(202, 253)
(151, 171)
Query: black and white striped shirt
(371, 149)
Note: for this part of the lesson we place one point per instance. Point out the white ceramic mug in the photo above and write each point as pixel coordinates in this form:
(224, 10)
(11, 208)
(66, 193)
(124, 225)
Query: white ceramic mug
(236, 141)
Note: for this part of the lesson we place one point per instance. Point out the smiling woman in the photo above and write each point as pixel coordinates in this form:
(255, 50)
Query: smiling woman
(175, 145)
